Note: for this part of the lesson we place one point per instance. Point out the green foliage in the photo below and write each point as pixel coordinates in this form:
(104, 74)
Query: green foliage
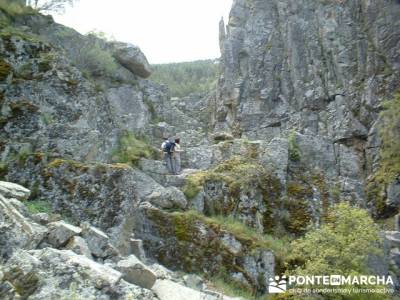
(9, 31)
(186, 77)
(390, 135)
(185, 229)
(340, 246)
(194, 183)
(23, 154)
(294, 150)
(223, 283)
(241, 230)
(130, 149)
(389, 165)
(13, 8)
(47, 118)
(38, 206)
(280, 246)
(92, 59)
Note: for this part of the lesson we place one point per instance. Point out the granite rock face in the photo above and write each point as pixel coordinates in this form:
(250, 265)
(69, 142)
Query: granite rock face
(318, 68)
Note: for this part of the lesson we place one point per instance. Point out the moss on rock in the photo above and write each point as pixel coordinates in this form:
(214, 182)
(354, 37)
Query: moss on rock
(298, 207)
(5, 69)
(389, 165)
(71, 164)
(237, 173)
(195, 243)
(131, 148)
(25, 284)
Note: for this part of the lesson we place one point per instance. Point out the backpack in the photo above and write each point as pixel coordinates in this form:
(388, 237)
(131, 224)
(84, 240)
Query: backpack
(169, 147)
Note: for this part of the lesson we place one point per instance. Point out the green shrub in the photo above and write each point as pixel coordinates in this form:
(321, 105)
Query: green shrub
(130, 149)
(92, 59)
(341, 246)
(96, 61)
(294, 150)
(38, 206)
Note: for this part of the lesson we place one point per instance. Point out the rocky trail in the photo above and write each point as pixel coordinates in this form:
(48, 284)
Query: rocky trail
(297, 123)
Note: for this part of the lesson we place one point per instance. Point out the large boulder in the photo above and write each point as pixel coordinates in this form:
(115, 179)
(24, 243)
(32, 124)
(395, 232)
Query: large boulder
(79, 246)
(60, 233)
(98, 242)
(134, 271)
(132, 58)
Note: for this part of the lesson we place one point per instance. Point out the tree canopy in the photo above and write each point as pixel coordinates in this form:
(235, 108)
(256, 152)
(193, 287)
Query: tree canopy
(57, 6)
(186, 77)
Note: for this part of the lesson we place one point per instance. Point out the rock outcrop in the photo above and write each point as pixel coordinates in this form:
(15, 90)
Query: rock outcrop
(62, 260)
(293, 127)
(316, 73)
(132, 58)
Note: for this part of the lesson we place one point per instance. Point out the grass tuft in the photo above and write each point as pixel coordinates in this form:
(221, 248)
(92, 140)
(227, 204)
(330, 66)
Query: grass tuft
(38, 206)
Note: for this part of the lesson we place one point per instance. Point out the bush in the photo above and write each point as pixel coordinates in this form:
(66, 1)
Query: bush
(340, 246)
(38, 206)
(96, 61)
(130, 149)
(294, 150)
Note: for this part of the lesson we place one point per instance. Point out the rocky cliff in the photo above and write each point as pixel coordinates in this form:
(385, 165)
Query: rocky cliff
(293, 127)
(315, 73)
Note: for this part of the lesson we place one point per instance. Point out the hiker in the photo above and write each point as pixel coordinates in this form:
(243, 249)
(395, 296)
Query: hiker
(167, 148)
(163, 145)
(177, 156)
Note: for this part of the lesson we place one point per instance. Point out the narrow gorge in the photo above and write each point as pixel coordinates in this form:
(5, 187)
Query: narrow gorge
(302, 126)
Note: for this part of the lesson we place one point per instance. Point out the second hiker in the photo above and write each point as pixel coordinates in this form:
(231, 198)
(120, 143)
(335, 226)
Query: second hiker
(177, 156)
(168, 149)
